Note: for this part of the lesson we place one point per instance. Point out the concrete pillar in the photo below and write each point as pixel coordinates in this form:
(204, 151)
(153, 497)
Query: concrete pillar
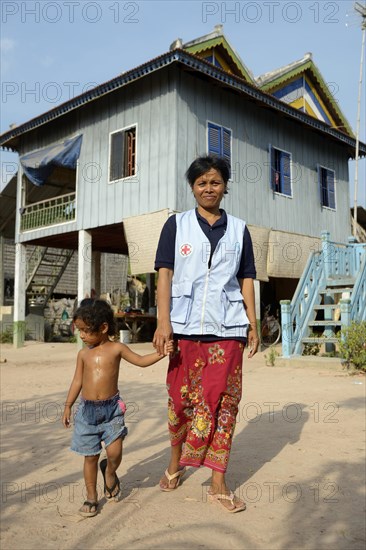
(257, 297)
(286, 328)
(345, 312)
(2, 271)
(20, 268)
(19, 295)
(84, 264)
(327, 253)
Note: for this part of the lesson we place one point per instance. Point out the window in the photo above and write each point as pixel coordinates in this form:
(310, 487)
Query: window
(219, 141)
(327, 187)
(122, 160)
(281, 172)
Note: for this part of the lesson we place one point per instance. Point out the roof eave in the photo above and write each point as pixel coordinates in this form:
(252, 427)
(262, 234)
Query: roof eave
(198, 64)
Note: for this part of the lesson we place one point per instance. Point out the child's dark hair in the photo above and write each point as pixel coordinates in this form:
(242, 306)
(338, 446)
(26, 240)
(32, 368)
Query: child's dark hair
(94, 313)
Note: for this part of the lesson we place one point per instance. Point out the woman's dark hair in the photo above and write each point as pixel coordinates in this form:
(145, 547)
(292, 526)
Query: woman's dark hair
(94, 313)
(203, 164)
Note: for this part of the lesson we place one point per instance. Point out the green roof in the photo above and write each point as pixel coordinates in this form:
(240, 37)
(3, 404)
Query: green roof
(222, 43)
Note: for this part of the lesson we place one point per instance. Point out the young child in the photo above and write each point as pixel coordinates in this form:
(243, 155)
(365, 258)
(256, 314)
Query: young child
(100, 415)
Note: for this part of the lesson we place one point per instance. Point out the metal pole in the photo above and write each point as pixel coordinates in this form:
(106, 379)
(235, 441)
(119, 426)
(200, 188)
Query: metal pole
(362, 10)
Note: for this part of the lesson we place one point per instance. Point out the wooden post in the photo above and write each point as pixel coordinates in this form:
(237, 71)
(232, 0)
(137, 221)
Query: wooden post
(150, 283)
(96, 272)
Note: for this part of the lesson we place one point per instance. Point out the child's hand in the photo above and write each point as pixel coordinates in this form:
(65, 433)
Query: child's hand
(169, 347)
(66, 417)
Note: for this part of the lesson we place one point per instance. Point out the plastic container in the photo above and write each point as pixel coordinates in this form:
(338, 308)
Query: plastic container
(124, 336)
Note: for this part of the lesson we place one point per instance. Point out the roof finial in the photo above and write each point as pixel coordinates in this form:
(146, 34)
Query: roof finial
(218, 29)
(177, 44)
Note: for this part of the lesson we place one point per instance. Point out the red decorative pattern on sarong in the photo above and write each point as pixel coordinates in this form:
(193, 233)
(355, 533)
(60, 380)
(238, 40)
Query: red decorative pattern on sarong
(204, 384)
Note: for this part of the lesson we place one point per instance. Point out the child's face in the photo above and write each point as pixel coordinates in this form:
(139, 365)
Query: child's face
(89, 337)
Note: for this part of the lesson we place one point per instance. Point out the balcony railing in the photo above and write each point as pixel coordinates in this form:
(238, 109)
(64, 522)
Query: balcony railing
(50, 212)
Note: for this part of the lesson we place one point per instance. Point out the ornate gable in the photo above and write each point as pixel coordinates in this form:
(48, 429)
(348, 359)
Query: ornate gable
(215, 48)
(301, 85)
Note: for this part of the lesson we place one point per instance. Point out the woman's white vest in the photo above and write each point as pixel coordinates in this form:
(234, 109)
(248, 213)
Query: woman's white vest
(207, 300)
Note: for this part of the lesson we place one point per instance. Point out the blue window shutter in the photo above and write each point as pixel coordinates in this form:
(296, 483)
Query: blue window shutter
(319, 171)
(219, 141)
(286, 174)
(272, 168)
(214, 139)
(322, 176)
(331, 188)
(226, 144)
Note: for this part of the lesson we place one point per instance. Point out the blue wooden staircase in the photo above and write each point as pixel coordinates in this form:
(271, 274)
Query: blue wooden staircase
(331, 293)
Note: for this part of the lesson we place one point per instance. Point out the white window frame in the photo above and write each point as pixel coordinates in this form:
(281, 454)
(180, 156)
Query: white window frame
(124, 129)
(291, 172)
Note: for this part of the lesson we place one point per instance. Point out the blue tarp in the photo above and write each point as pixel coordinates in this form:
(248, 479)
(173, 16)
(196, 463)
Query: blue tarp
(39, 165)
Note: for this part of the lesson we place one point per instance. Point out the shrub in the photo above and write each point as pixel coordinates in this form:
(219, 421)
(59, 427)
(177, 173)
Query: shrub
(311, 349)
(6, 337)
(352, 344)
(271, 357)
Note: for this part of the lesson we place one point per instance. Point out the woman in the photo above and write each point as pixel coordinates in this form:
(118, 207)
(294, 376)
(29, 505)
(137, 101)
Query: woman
(205, 299)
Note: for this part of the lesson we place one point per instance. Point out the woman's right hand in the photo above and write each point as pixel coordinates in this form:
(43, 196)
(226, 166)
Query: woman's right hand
(163, 334)
(66, 417)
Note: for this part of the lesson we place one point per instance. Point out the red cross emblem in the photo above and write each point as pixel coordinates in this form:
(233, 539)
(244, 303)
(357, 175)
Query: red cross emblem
(185, 249)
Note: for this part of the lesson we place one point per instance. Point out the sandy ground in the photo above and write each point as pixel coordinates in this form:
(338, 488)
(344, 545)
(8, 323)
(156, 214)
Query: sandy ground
(298, 461)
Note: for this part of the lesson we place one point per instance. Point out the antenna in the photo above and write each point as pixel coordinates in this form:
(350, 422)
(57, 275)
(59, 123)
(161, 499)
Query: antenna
(361, 10)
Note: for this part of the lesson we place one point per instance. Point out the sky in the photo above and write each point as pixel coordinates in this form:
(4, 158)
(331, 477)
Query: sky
(52, 51)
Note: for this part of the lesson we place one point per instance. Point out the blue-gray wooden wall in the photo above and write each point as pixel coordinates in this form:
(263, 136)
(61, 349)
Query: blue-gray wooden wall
(171, 109)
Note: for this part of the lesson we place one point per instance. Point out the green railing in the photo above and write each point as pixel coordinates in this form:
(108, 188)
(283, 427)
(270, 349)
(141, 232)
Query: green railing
(50, 212)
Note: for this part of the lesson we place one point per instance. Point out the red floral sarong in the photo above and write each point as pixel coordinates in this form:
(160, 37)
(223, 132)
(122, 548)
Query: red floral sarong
(204, 384)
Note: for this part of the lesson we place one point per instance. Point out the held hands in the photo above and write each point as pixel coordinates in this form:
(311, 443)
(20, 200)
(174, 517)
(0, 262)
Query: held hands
(253, 341)
(169, 347)
(163, 338)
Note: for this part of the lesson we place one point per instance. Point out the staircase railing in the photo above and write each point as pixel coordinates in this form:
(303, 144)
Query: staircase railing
(336, 260)
(294, 313)
(33, 262)
(358, 300)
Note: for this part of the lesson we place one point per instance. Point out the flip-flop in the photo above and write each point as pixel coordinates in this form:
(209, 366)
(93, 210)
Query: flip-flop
(218, 498)
(170, 477)
(108, 491)
(90, 513)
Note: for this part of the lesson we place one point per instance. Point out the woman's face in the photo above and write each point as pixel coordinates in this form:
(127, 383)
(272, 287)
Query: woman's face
(208, 189)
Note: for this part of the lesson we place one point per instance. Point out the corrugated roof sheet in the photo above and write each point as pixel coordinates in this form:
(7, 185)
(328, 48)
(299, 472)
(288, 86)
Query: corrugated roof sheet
(8, 139)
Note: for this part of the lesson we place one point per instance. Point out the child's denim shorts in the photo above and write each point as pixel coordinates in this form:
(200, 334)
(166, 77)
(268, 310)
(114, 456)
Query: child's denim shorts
(97, 421)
